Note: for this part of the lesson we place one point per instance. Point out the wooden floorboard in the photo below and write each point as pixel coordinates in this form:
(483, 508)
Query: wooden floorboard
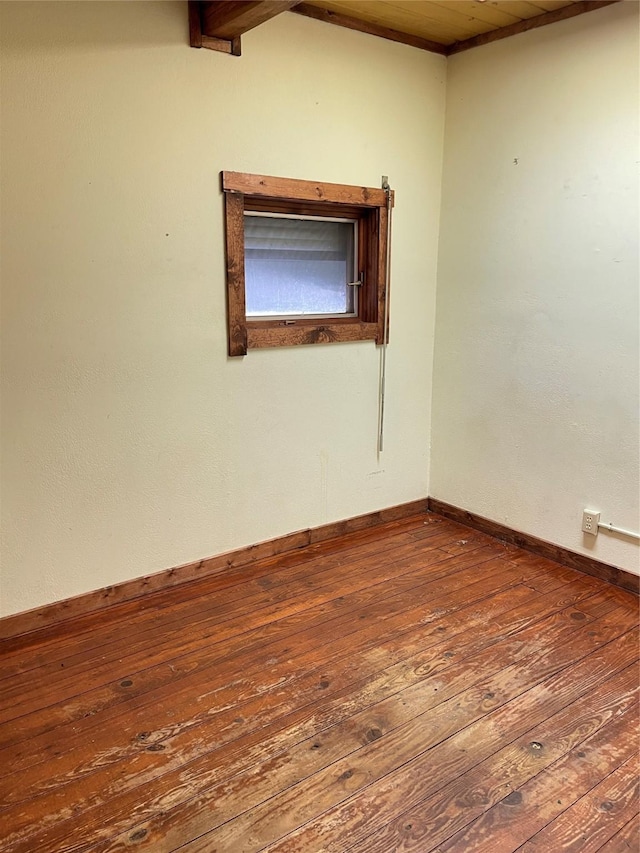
(528, 808)
(626, 840)
(343, 615)
(417, 687)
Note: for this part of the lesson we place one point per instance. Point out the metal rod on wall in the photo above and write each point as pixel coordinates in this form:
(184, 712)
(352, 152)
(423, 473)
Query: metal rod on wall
(385, 339)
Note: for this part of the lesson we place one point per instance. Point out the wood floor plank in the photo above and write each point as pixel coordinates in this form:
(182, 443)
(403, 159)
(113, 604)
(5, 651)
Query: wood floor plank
(235, 622)
(225, 637)
(314, 699)
(350, 547)
(219, 714)
(270, 587)
(505, 774)
(24, 753)
(499, 611)
(626, 840)
(329, 745)
(343, 816)
(186, 602)
(513, 697)
(594, 819)
(406, 682)
(33, 651)
(526, 810)
(308, 630)
(610, 598)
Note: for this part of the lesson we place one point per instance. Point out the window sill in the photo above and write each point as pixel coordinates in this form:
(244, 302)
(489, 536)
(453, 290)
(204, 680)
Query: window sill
(279, 333)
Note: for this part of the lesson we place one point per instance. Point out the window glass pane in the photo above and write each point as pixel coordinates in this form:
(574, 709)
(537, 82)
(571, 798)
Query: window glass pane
(298, 266)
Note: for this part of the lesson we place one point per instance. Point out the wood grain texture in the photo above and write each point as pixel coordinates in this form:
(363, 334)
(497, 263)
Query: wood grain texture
(348, 726)
(611, 574)
(492, 14)
(543, 20)
(440, 27)
(444, 22)
(88, 789)
(626, 840)
(381, 276)
(354, 22)
(289, 188)
(220, 593)
(283, 195)
(595, 818)
(396, 687)
(195, 23)
(234, 245)
(542, 750)
(526, 810)
(51, 614)
(195, 650)
(306, 334)
(229, 19)
(217, 625)
(381, 792)
(198, 39)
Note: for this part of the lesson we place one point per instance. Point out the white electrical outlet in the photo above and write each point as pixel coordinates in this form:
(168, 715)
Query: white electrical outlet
(590, 520)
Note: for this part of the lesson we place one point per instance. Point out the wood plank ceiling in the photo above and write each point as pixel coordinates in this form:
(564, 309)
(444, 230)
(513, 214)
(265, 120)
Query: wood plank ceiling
(441, 26)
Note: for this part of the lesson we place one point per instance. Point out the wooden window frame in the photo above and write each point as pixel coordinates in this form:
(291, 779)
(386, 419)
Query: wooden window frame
(369, 207)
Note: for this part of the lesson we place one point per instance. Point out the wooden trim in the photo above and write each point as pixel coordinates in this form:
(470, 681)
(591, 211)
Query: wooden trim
(261, 335)
(529, 24)
(233, 47)
(195, 24)
(264, 204)
(51, 614)
(229, 19)
(350, 23)
(367, 521)
(289, 188)
(581, 562)
(367, 206)
(198, 39)
(381, 275)
(236, 317)
(208, 20)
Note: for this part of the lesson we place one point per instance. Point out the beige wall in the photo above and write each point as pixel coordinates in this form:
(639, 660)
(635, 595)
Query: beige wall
(130, 442)
(536, 372)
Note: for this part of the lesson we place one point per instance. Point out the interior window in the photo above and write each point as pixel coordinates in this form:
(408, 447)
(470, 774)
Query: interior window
(299, 267)
(306, 262)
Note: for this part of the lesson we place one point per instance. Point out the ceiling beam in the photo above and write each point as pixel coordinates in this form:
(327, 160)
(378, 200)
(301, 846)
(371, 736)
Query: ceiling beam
(530, 24)
(350, 23)
(218, 24)
(197, 39)
(228, 19)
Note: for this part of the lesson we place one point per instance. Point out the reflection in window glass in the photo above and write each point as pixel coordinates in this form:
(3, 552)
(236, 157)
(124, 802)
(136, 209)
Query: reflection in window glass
(298, 266)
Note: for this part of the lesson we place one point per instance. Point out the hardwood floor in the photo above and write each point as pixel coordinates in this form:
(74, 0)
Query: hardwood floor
(419, 687)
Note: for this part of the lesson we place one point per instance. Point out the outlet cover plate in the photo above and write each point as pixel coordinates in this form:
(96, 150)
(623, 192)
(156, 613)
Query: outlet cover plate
(590, 521)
